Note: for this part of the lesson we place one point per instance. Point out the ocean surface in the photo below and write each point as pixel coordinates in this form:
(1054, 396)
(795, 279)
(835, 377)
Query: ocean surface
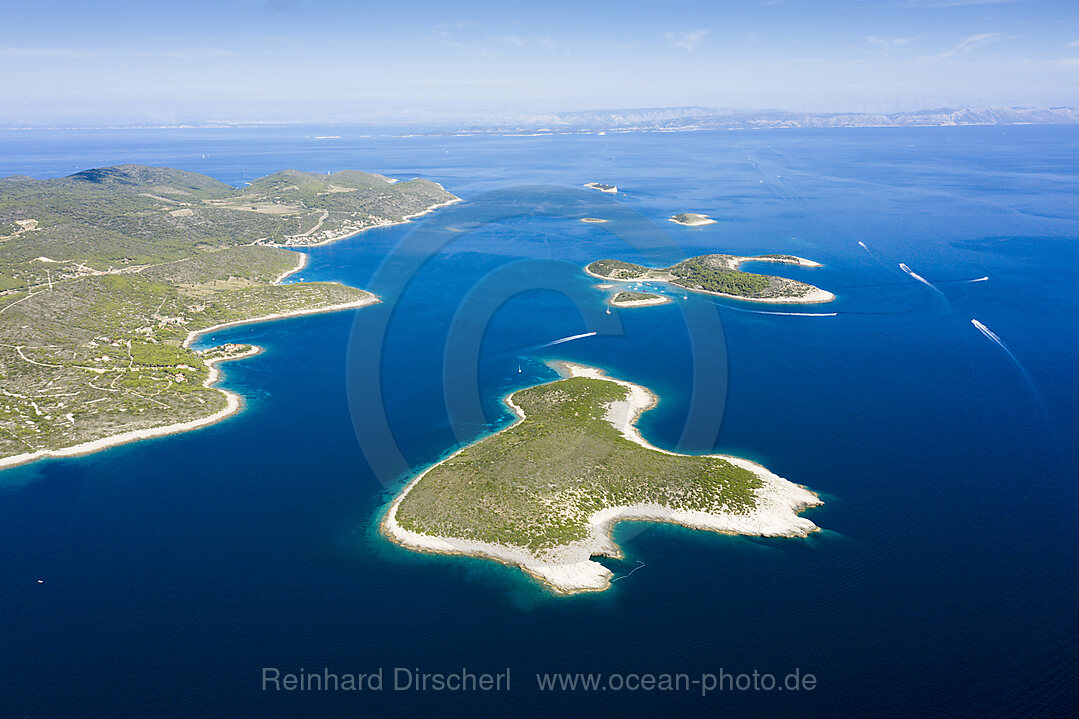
(946, 577)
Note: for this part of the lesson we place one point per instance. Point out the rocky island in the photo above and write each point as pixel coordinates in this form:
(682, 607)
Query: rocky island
(610, 189)
(108, 275)
(691, 219)
(543, 493)
(720, 275)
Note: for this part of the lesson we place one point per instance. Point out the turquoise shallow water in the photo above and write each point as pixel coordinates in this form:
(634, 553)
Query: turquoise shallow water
(945, 578)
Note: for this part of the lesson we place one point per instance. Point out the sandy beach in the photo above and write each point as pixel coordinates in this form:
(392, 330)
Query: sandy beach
(569, 569)
(300, 264)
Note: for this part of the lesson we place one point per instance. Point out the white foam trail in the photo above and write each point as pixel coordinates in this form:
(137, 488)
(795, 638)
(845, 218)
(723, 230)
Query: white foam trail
(863, 245)
(567, 339)
(915, 275)
(796, 314)
(1000, 343)
(1050, 425)
(991, 335)
(980, 279)
(786, 314)
(625, 576)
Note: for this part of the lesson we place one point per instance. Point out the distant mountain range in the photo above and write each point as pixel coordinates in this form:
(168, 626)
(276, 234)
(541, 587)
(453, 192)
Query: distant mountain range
(659, 119)
(681, 119)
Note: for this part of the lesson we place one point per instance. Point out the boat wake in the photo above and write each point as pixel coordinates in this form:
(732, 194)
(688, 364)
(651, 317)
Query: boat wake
(915, 275)
(1050, 425)
(870, 252)
(1000, 343)
(784, 314)
(566, 339)
(640, 564)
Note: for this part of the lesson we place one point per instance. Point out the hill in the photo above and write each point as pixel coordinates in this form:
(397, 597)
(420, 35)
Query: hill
(106, 276)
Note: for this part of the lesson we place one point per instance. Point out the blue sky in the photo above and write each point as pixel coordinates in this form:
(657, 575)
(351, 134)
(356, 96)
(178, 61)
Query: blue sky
(375, 61)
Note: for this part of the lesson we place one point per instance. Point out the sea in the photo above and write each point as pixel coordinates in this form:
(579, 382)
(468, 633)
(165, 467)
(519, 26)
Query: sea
(933, 406)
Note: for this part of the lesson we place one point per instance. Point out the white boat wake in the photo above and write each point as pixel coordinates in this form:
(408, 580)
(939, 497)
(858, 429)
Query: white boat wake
(784, 314)
(640, 564)
(567, 339)
(915, 275)
(796, 314)
(991, 335)
(1050, 425)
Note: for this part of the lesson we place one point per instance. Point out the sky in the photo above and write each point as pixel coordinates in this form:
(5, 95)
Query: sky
(134, 61)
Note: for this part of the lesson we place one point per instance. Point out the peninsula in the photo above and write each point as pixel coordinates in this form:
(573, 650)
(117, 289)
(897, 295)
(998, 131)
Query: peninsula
(720, 275)
(108, 275)
(543, 493)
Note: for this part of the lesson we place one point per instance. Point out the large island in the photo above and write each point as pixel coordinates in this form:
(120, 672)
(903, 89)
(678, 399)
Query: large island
(720, 275)
(543, 493)
(107, 276)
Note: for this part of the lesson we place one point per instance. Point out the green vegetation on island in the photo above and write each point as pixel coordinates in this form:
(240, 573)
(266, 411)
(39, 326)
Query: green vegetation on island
(720, 274)
(617, 270)
(630, 299)
(106, 274)
(536, 484)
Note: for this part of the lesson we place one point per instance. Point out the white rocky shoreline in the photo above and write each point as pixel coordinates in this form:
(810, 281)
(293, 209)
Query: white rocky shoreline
(569, 569)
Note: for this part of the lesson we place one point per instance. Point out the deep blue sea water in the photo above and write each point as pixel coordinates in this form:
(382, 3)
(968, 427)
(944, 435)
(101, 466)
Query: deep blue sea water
(944, 582)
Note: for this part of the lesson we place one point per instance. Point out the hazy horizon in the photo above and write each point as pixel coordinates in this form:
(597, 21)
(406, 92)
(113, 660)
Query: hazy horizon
(337, 62)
